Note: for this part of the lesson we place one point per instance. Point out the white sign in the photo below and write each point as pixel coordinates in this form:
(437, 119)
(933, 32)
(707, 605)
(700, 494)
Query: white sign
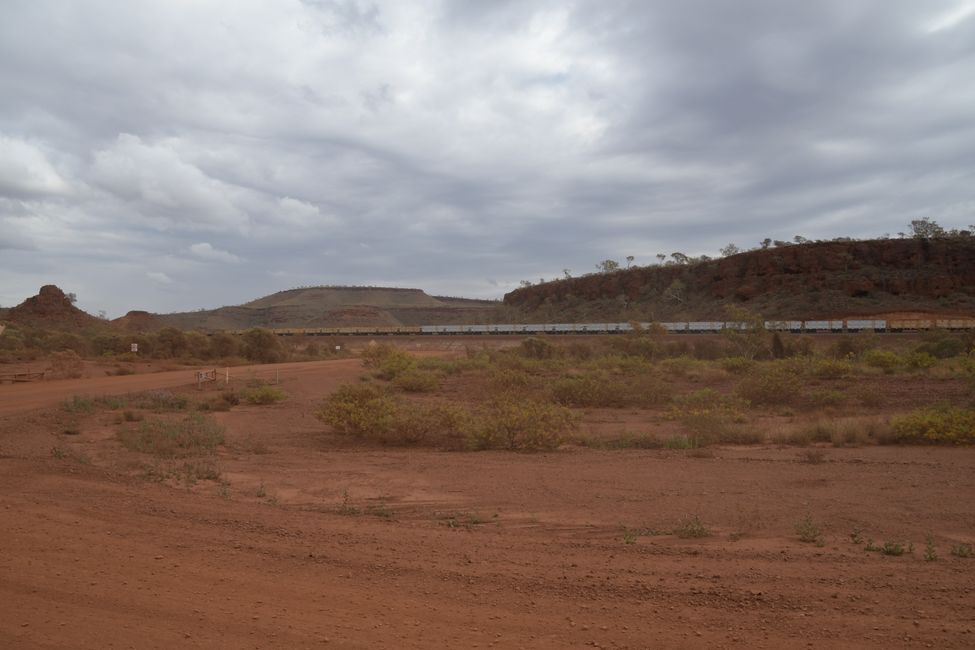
(135, 347)
(338, 347)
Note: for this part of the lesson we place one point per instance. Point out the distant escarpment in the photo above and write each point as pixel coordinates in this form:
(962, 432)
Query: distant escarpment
(802, 281)
(313, 307)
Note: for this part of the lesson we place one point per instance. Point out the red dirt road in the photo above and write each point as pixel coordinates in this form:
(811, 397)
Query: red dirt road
(312, 542)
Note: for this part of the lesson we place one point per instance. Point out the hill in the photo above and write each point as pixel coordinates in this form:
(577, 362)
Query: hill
(51, 308)
(310, 307)
(814, 280)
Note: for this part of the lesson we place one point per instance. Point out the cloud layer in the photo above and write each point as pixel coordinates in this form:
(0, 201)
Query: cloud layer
(166, 156)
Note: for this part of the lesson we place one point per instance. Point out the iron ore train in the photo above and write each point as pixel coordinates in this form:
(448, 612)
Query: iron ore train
(687, 327)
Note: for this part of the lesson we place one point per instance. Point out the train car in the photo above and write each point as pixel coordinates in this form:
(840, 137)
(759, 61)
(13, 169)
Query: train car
(704, 327)
(862, 325)
(910, 325)
(794, 326)
(955, 323)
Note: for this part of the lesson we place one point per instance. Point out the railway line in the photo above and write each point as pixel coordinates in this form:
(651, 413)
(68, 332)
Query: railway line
(683, 327)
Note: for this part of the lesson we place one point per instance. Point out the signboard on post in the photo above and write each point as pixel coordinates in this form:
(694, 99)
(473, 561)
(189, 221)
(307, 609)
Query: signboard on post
(135, 348)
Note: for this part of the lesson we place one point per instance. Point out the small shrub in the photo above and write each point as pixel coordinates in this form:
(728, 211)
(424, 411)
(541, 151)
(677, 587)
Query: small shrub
(942, 424)
(415, 380)
(159, 401)
(372, 412)
(893, 548)
(174, 438)
(770, 386)
(691, 527)
(78, 404)
(512, 422)
(359, 410)
(601, 389)
(884, 360)
(966, 551)
(737, 365)
(942, 349)
(920, 361)
(263, 395)
(831, 369)
(808, 531)
(930, 552)
(536, 348)
(387, 360)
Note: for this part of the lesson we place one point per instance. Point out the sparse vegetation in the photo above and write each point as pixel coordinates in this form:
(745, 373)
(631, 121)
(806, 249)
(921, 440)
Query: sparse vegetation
(809, 531)
(167, 437)
(261, 395)
(691, 527)
(965, 551)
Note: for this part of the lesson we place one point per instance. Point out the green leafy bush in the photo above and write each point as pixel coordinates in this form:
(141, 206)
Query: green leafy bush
(372, 412)
(920, 361)
(883, 359)
(943, 424)
(737, 365)
(831, 368)
(359, 410)
(512, 422)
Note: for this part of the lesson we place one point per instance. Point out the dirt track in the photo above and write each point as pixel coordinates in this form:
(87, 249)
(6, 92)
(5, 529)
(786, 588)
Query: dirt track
(321, 544)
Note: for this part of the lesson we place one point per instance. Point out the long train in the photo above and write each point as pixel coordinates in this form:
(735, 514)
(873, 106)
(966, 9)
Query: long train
(687, 327)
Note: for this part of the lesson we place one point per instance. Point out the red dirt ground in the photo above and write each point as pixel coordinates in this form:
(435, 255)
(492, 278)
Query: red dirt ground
(317, 542)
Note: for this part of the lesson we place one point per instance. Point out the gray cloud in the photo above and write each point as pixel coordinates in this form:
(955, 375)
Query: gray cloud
(166, 158)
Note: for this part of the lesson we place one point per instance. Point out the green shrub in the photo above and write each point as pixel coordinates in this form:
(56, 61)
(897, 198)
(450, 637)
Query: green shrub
(159, 401)
(943, 348)
(883, 359)
(831, 369)
(261, 346)
(509, 421)
(263, 395)
(536, 348)
(691, 528)
(602, 389)
(192, 435)
(942, 424)
(920, 361)
(737, 365)
(770, 385)
(372, 412)
(78, 404)
(415, 380)
(359, 410)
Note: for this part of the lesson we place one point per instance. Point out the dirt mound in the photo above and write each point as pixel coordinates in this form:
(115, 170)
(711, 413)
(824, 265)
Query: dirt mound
(815, 280)
(51, 308)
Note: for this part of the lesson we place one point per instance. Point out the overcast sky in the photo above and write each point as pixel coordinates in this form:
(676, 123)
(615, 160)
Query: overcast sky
(186, 154)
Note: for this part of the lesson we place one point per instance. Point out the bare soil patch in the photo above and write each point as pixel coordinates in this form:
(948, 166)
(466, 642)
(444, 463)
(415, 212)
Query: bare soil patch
(308, 538)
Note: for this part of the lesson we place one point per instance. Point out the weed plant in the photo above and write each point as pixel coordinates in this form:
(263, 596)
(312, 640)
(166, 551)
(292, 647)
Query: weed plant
(192, 435)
